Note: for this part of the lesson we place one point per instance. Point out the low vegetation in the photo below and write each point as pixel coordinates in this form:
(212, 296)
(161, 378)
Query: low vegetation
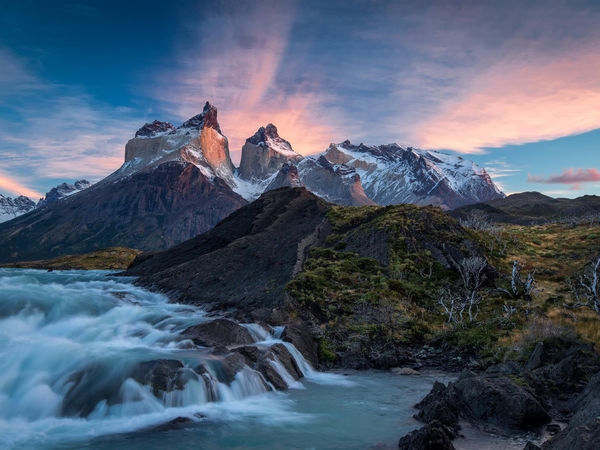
(113, 258)
(391, 277)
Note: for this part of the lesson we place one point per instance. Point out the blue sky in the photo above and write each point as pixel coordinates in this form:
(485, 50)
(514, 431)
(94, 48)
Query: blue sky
(513, 85)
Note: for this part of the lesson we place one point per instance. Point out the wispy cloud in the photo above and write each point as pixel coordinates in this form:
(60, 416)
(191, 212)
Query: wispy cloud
(569, 176)
(237, 64)
(55, 132)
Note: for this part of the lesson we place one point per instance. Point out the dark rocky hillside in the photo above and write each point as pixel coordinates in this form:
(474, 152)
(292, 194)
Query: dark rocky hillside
(246, 260)
(151, 209)
(531, 207)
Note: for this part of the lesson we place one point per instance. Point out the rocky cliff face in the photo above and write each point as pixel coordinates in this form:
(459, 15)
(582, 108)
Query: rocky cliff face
(360, 175)
(286, 177)
(337, 183)
(264, 154)
(198, 141)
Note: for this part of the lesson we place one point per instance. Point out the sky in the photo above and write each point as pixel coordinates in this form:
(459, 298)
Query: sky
(513, 85)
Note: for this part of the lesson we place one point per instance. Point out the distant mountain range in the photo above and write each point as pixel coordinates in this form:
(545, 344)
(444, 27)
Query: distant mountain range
(14, 207)
(178, 182)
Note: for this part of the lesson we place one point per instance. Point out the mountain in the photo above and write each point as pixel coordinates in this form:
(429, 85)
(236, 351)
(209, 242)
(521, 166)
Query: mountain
(11, 208)
(14, 207)
(391, 174)
(532, 207)
(337, 183)
(173, 185)
(356, 175)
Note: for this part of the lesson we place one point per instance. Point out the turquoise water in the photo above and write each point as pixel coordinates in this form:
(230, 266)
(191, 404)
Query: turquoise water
(69, 339)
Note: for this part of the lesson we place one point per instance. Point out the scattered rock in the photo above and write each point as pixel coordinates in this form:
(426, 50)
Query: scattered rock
(499, 401)
(172, 424)
(531, 446)
(433, 436)
(219, 332)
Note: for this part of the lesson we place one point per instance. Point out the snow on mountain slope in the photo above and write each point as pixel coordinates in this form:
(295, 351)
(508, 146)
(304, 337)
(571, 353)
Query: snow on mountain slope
(198, 141)
(15, 207)
(393, 174)
(264, 154)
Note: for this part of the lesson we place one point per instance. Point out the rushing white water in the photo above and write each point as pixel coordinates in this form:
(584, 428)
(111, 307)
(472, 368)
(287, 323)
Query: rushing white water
(70, 345)
(70, 342)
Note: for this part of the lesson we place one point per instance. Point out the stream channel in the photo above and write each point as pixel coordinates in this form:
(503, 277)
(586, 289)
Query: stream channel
(70, 339)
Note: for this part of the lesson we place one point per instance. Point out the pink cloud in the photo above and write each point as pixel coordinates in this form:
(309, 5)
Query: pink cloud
(239, 74)
(17, 188)
(517, 102)
(569, 176)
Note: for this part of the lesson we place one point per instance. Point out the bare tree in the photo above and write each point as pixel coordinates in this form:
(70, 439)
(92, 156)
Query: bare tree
(466, 294)
(588, 280)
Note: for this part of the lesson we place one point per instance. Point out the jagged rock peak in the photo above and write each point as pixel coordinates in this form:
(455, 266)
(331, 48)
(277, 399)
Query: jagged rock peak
(340, 169)
(264, 133)
(154, 129)
(207, 118)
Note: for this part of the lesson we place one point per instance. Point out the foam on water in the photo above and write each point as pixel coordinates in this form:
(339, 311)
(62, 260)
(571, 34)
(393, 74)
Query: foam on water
(57, 329)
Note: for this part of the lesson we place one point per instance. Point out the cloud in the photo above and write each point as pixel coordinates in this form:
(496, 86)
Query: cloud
(50, 133)
(241, 67)
(16, 188)
(569, 176)
(518, 102)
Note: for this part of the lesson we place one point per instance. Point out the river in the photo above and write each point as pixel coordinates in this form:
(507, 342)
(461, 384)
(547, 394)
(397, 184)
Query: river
(69, 340)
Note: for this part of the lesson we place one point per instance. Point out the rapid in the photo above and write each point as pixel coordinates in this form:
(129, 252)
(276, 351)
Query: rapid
(71, 343)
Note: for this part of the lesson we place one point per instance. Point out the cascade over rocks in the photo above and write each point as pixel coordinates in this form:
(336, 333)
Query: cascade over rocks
(163, 375)
(299, 335)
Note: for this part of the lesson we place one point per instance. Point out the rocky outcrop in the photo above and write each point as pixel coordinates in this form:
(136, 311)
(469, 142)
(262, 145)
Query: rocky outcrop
(198, 141)
(337, 183)
(243, 263)
(286, 177)
(514, 396)
(433, 436)
(264, 154)
(299, 335)
(218, 332)
(583, 431)
(499, 401)
(152, 209)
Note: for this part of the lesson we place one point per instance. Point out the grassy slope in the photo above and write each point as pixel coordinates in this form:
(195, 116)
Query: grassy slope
(378, 301)
(112, 258)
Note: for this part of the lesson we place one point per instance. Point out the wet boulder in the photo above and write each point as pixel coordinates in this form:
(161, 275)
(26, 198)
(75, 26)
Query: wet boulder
(300, 336)
(218, 332)
(268, 362)
(440, 406)
(433, 436)
(162, 375)
(250, 354)
(583, 431)
(499, 401)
